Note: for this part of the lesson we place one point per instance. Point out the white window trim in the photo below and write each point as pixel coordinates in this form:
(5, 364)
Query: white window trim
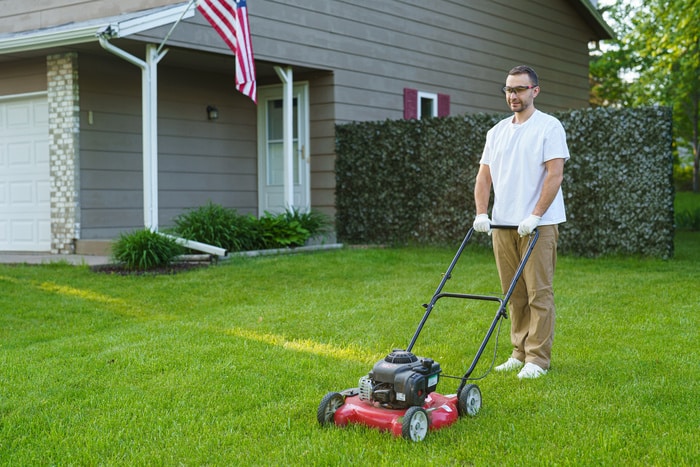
(433, 97)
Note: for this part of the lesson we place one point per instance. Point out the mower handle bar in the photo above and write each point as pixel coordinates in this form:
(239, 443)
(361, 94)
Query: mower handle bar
(448, 275)
(501, 313)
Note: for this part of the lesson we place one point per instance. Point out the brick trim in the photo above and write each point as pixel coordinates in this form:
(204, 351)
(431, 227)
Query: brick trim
(64, 134)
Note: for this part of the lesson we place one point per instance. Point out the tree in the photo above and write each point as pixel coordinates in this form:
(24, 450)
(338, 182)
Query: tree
(654, 61)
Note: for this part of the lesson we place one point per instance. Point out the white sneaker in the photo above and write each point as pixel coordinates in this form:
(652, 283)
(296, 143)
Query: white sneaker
(531, 371)
(510, 365)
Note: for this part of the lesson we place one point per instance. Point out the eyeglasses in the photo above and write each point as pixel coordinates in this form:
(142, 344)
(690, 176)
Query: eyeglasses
(507, 90)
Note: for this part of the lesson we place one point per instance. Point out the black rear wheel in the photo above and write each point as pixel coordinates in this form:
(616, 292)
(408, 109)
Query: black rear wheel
(469, 400)
(329, 404)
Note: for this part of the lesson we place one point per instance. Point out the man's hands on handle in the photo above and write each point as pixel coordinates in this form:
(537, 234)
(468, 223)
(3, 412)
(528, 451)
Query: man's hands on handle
(528, 225)
(482, 223)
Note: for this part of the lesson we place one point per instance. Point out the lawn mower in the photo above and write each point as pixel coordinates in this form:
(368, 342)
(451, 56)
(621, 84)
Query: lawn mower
(398, 394)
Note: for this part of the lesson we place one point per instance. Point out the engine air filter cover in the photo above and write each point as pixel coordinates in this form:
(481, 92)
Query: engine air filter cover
(400, 356)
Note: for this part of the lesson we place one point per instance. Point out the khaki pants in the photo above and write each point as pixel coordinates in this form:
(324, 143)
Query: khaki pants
(532, 310)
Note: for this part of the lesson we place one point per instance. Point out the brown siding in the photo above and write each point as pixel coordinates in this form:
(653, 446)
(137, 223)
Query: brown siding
(23, 77)
(462, 49)
(375, 49)
(322, 150)
(199, 160)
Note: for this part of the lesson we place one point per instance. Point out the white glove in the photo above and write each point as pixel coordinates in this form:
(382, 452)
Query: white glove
(482, 223)
(527, 226)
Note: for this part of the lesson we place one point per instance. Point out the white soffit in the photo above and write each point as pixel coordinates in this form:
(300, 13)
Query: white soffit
(87, 31)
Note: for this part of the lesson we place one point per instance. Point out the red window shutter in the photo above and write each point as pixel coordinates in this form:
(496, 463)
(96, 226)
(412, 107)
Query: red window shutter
(410, 103)
(443, 105)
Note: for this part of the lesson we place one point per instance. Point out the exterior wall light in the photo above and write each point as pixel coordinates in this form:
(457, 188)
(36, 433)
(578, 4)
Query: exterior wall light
(212, 112)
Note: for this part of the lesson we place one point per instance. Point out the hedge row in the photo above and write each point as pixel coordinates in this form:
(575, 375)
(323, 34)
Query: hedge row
(412, 181)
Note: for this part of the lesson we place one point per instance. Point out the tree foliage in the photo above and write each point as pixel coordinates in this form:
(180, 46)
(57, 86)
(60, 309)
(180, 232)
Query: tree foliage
(655, 60)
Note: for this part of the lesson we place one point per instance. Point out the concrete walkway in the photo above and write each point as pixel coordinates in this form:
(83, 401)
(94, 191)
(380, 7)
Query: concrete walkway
(47, 258)
(10, 257)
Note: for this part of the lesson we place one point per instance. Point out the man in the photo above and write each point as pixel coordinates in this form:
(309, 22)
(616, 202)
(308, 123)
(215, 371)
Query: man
(523, 160)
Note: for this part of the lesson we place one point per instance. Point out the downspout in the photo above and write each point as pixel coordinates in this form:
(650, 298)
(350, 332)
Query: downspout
(203, 247)
(149, 84)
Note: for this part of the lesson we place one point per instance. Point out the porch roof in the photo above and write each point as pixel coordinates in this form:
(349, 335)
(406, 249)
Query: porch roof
(87, 31)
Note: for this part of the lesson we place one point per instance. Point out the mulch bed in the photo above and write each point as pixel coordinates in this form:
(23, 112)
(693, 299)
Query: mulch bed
(173, 268)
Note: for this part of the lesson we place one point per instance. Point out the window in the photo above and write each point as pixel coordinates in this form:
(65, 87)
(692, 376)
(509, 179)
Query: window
(427, 105)
(419, 104)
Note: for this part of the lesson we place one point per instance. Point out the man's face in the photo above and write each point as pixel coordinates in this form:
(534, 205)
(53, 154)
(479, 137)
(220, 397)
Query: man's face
(523, 99)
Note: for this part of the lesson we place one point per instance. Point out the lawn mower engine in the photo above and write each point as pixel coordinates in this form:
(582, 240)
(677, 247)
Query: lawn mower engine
(400, 380)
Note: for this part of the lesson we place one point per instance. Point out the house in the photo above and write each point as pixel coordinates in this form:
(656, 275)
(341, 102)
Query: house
(79, 165)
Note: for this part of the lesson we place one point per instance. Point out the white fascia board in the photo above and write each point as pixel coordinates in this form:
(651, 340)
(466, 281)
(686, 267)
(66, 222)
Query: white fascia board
(88, 31)
(49, 38)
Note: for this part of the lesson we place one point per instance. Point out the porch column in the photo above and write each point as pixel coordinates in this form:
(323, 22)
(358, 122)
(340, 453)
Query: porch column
(150, 137)
(287, 78)
(149, 106)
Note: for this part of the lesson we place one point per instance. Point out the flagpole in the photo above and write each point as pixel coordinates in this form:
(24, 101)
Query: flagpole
(167, 36)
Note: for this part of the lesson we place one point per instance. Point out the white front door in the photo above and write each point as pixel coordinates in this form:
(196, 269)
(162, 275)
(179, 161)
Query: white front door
(25, 184)
(271, 154)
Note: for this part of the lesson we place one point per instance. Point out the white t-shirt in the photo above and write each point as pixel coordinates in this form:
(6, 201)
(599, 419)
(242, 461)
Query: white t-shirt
(515, 154)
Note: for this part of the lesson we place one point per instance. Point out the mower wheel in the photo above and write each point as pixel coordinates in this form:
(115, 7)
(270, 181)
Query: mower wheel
(469, 400)
(329, 404)
(415, 424)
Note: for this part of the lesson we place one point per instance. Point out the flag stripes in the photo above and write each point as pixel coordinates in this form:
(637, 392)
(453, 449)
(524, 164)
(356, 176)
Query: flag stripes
(230, 20)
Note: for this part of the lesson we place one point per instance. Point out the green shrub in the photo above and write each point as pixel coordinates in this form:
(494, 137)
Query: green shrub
(279, 231)
(216, 225)
(144, 249)
(289, 229)
(316, 223)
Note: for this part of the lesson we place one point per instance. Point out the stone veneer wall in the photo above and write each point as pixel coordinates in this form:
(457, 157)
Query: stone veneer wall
(64, 133)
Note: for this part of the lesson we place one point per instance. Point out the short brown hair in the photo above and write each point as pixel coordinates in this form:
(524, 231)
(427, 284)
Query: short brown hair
(524, 69)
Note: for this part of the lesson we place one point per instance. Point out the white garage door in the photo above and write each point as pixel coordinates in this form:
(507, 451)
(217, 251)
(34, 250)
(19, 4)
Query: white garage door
(25, 208)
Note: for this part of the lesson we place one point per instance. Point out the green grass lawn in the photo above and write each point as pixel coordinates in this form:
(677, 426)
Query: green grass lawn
(227, 365)
(687, 211)
(687, 201)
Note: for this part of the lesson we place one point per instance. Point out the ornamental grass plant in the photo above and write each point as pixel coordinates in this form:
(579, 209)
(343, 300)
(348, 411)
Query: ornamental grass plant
(227, 365)
(144, 249)
(223, 227)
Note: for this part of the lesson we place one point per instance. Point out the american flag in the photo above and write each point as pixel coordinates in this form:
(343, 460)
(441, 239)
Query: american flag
(230, 19)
